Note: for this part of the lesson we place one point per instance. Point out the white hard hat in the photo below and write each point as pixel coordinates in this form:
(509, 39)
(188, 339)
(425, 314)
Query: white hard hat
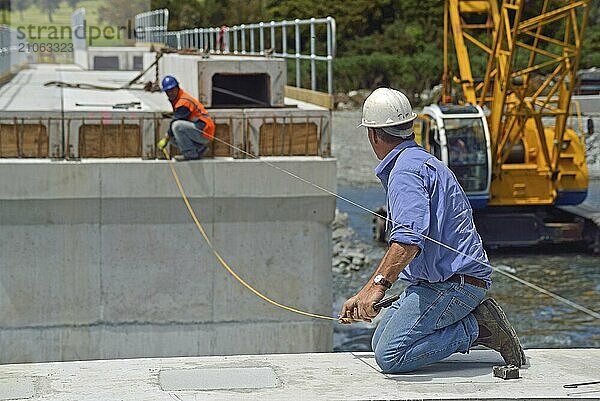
(386, 107)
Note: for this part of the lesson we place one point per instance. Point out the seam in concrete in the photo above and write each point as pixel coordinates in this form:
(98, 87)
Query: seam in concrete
(368, 364)
(213, 339)
(100, 253)
(100, 323)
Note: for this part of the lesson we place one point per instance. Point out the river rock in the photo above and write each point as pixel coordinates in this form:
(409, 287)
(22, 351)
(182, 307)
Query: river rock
(342, 233)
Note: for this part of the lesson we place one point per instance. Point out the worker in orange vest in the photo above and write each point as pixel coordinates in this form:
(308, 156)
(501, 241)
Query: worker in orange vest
(191, 129)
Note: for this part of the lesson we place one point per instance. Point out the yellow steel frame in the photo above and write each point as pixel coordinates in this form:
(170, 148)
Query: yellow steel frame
(530, 74)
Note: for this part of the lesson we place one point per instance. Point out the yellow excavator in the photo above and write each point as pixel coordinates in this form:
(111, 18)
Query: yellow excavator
(505, 133)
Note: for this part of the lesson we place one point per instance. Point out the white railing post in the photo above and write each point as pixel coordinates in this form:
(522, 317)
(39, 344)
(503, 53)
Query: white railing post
(298, 74)
(235, 40)
(330, 55)
(243, 31)
(226, 36)
(313, 69)
(272, 36)
(261, 39)
(284, 39)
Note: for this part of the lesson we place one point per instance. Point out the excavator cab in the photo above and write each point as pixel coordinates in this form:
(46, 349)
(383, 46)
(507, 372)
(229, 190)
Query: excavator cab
(459, 136)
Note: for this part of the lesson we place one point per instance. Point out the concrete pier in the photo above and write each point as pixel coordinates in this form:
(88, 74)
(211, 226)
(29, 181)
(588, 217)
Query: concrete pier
(343, 376)
(100, 258)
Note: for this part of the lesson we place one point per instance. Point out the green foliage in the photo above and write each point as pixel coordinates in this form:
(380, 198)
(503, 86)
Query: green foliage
(48, 6)
(119, 12)
(5, 12)
(379, 42)
(411, 73)
(72, 3)
(205, 13)
(21, 6)
(590, 53)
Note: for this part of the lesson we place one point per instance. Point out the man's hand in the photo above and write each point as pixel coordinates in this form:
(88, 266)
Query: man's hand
(360, 306)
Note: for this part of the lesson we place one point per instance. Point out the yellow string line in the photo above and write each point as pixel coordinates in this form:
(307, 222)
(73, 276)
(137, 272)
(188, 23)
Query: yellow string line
(220, 258)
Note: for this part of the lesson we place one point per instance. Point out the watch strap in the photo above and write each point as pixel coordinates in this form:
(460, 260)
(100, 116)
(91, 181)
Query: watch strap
(384, 282)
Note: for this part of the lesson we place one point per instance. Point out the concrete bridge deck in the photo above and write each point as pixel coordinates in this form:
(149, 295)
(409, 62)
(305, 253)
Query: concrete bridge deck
(339, 376)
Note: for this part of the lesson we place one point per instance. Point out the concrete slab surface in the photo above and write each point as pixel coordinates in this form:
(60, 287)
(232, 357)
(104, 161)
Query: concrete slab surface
(217, 379)
(338, 376)
(26, 92)
(16, 388)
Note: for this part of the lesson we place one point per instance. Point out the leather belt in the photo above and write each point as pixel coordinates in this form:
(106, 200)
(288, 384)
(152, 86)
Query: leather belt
(468, 279)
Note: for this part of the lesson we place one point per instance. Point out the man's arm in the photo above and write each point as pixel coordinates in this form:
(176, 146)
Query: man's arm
(181, 113)
(408, 201)
(360, 306)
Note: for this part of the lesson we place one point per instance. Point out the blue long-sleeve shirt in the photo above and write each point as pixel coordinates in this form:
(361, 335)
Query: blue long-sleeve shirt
(425, 199)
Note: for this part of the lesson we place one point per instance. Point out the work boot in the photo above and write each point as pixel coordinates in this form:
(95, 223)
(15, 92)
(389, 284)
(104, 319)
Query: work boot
(496, 332)
(182, 158)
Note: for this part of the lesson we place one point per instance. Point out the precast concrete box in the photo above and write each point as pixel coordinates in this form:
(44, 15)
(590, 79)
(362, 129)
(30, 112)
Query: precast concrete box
(30, 135)
(296, 130)
(228, 81)
(109, 124)
(124, 135)
(30, 116)
(229, 141)
(125, 58)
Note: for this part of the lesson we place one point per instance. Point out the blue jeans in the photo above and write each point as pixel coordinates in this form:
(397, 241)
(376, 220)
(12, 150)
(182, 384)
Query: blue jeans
(189, 139)
(429, 322)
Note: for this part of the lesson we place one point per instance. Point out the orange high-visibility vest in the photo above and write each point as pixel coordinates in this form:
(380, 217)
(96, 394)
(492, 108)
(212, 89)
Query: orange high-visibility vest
(197, 112)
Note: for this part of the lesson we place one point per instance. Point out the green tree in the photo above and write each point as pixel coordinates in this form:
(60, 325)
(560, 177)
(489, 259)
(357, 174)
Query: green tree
(186, 14)
(21, 6)
(590, 52)
(122, 12)
(5, 12)
(354, 18)
(73, 3)
(212, 13)
(48, 6)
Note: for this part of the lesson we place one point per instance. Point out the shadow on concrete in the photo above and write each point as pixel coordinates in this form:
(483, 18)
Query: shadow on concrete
(444, 371)
(456, 368)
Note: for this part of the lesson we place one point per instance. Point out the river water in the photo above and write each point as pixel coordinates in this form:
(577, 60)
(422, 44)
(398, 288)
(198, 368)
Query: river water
(541, 322)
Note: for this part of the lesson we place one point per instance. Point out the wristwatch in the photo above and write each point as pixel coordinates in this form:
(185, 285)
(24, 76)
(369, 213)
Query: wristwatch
(380, 280)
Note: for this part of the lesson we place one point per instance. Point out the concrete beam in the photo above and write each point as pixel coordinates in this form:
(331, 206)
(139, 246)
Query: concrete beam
(100, 258)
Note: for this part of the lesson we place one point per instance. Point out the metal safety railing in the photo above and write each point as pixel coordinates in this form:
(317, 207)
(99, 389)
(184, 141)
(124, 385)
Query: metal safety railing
(151, 26)
(282, 39)
(13, 50)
